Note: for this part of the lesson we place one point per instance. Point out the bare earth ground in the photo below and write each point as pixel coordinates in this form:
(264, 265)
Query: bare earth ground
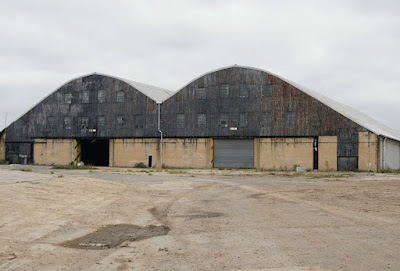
(197, 220)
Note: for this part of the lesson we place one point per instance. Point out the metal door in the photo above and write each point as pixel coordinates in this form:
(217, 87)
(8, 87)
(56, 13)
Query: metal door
(233, 153)
(347, 163)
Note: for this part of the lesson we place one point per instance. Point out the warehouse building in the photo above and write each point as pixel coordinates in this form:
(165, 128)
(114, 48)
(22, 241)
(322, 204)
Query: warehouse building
(236, 116)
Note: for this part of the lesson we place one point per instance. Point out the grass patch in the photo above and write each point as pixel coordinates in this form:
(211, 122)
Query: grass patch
(146, 170)
(392, 171)
(3, 162)
(26, 169)
(329, 176)
(73, 167)
(176, 171)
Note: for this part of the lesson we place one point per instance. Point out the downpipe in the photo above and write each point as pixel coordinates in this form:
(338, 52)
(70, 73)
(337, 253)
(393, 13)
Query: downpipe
(384, 152)
(161, 135)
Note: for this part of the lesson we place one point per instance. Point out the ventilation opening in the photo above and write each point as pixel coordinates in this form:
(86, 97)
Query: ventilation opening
(150, 161)
(95, 152)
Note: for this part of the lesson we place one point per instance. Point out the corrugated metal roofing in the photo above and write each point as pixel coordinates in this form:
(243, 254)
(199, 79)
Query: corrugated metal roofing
(155, 93)
(353, 114)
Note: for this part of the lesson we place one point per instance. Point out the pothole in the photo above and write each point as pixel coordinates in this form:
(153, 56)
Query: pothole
(113, 235)
(201, 215)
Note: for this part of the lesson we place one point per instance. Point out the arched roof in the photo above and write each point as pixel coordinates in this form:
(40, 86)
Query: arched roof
(347, 111)
(156, 94)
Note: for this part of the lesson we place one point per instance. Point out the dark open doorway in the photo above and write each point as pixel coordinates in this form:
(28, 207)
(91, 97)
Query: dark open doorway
(95, 152)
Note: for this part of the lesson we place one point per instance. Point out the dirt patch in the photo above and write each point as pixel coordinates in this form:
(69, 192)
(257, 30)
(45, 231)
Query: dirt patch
(113, 235)
(257, 195)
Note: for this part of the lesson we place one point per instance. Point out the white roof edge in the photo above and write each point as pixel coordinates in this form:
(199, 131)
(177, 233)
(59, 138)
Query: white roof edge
(358, 117)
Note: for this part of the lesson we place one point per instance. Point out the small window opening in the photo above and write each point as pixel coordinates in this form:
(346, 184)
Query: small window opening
(223, 120)
(267, 91)
(244, 91)
(243, 119)
(266, 119)
(68, 98)
(290, 119)
(201, 120)
(85, 97)
(120, 96)
(138, 121)
(101, 121)
(201, 93)
(224, 90)
(101, 96)
(120, 121)
(180, 121)
(67, 123)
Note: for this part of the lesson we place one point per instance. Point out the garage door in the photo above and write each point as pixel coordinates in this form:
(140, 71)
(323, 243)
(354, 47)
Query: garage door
(230, 153)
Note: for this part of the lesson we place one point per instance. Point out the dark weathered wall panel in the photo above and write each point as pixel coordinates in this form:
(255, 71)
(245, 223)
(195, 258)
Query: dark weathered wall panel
(312, 118)
(46, 120)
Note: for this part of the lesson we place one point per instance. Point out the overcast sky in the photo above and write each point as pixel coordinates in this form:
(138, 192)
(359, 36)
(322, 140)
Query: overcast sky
(348, 50)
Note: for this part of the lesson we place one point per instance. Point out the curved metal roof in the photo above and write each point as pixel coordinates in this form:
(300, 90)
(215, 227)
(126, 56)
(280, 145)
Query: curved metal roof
(353, 114)
(155, 93)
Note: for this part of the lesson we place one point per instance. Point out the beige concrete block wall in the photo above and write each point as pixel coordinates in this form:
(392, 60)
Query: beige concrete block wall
(327, 153)
(189, 153)
(128, 152)
(367, 151)
(283, 153)
(53, 151)
(3, 146)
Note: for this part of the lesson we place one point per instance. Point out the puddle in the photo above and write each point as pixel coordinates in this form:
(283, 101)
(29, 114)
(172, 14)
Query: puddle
(113, 235)
(201, 215)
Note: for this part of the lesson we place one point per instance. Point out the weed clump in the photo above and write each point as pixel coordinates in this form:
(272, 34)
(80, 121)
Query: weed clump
(140, 165)
(72, 167)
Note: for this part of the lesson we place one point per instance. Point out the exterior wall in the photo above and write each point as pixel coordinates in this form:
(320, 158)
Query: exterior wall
(53, 151)
(46, 120)
(189, 153)
(2, 145)
(368, 152)
(256, 105)
(327, 153)
(390, 154)
(128, 152)
(283, 153)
